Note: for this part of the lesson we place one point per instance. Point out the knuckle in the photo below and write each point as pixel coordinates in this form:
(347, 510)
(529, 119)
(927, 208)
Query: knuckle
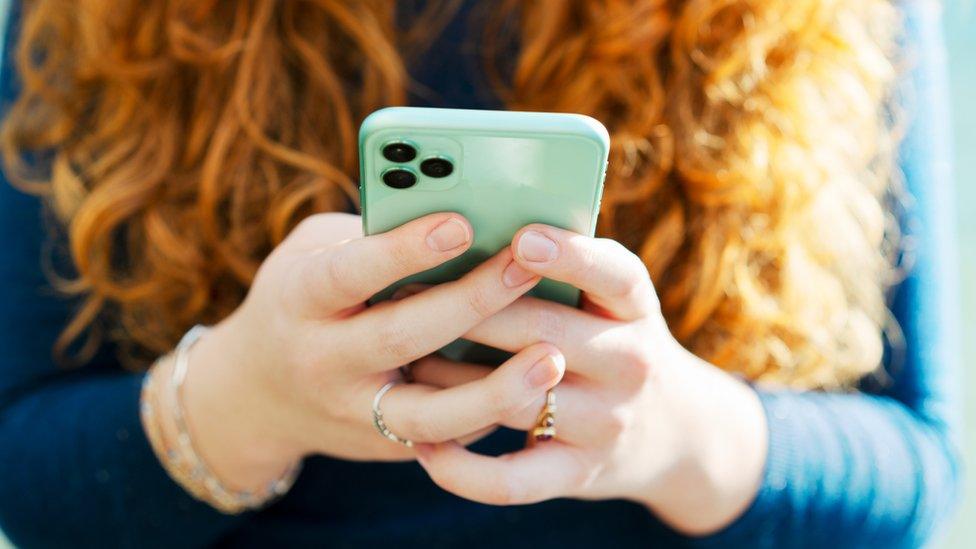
(398, 342)
(316, 227)
(634, 368)
(547, 324)
(615, 424)
(631, 287)
(309, 224)
(501, 402)
(616, 247)
(627, 286)
(586, 260)
(303, 285)
(479, 301)
(341, 281)
(634, 273)
(402, 258)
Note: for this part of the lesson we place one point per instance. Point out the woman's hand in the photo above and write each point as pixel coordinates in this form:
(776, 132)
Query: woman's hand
(638, 416)
(294, 369)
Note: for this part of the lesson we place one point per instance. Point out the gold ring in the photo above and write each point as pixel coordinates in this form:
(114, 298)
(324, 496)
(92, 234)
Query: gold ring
(545, 424)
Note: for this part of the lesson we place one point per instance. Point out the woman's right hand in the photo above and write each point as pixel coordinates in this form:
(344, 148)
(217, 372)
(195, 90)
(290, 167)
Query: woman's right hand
(294, 369)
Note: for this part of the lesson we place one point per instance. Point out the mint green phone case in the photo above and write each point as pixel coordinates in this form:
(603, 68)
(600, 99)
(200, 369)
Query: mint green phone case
(510, 169)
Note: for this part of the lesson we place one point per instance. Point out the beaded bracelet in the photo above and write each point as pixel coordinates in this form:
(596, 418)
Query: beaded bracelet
(183, 462)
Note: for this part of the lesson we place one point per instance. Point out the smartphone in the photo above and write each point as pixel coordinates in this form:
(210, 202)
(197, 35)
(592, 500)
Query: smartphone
(501, 170)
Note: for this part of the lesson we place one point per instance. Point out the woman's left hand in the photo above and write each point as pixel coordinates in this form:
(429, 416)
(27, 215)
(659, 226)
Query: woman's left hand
(638, 417)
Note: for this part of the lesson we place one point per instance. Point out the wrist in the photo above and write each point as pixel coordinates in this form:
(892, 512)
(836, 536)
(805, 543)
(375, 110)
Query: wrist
(232, 423)
(720, 458)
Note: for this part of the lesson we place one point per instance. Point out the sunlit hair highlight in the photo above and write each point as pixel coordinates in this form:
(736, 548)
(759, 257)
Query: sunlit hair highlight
(751, 166)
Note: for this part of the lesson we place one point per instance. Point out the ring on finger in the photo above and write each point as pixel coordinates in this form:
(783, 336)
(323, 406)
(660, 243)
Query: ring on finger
(545, 424)
(378, 420)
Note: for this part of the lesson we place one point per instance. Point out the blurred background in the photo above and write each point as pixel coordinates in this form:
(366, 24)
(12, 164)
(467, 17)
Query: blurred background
(960, 25)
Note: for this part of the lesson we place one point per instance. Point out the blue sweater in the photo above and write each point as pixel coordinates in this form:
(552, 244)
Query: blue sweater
(879, 467)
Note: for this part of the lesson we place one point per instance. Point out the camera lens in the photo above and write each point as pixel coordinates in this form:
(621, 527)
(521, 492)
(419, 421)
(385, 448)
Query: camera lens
(436, 167)
(399, 152)
(399, 179)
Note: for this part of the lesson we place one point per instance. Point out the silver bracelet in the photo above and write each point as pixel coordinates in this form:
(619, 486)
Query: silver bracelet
(218, 495)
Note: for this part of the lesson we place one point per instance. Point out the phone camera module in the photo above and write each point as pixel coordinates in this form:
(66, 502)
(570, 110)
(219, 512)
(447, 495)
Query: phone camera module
(436, 167)
(399, 178)
(399, 152)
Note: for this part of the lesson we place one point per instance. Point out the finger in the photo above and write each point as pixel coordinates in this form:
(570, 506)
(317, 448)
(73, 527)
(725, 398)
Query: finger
(397, 333)
(318, 229)
(424, 414)
(443, 372)
(612, 277)
(590, 343)
(581, 416)
(341, 276)
(538, 473)
(468, 440)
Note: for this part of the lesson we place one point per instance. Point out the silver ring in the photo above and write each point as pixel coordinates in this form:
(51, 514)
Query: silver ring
(378, 416)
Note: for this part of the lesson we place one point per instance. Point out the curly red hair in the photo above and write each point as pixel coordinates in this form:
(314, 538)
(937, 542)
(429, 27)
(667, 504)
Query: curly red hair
(752, 153)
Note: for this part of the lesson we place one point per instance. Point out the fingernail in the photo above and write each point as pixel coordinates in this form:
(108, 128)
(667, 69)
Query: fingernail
(448, 236)
(543, 373)
(536, 247)
(514, 275)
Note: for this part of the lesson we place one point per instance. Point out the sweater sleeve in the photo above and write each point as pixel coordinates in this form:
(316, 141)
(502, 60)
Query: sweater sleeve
(76, 468)
(881, 467)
